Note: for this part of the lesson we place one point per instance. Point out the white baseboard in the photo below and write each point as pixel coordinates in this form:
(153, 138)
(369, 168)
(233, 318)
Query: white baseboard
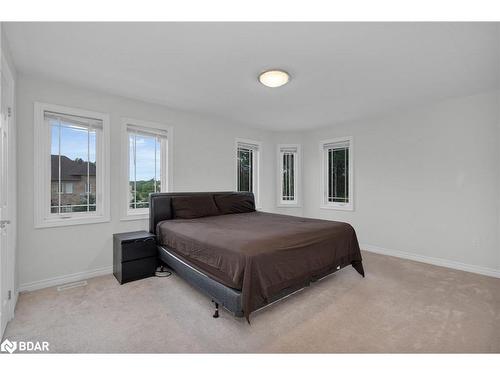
(59, 280)
(431, 260)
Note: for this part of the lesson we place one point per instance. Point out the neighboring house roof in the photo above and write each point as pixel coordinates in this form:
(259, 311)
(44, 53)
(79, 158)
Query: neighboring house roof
(71, 170)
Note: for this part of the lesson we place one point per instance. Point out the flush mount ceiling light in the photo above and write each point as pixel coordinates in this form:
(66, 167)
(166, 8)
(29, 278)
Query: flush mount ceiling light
(274, 78)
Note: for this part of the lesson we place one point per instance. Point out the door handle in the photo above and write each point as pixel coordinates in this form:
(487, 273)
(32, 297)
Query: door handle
(3, 223)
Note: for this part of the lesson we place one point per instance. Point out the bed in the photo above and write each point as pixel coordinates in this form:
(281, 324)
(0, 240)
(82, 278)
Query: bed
(242, 258)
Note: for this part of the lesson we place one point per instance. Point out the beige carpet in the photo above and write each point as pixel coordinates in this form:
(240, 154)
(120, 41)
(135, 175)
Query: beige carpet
(401, 306)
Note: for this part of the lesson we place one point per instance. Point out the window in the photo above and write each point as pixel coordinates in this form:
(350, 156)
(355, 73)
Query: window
(288, 177)
(247, 167)
(67, 188)
(70, 155)
(337, 173)
(147, 148)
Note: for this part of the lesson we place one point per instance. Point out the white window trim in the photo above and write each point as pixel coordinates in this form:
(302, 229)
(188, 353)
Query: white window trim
(166, 166)
(43, 217)
(324, 190)
(297, 175)
(256, 167)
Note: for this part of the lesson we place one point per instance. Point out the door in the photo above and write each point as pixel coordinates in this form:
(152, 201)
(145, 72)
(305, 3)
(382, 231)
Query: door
(7, 197)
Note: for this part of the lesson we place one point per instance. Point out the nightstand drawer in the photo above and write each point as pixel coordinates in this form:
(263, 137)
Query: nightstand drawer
(138, 249)
(134, 255)
(138, 269)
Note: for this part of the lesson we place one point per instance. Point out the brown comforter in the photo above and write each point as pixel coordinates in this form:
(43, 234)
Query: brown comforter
(262, 254)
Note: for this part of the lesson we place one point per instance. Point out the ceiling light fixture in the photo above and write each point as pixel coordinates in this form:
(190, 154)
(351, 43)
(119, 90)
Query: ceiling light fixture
(274, 78)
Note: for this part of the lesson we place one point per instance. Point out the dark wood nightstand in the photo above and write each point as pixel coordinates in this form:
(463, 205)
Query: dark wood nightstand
(135, 256)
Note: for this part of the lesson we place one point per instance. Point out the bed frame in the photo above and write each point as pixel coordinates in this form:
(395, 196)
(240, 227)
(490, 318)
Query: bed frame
(160, 209)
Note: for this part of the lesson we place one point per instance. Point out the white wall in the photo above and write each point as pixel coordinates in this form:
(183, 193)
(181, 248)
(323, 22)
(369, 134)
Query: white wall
(203, 161)
(426, 181)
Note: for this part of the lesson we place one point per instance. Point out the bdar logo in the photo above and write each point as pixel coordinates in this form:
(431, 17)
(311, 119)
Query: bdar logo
(24, 346)
(8, 346)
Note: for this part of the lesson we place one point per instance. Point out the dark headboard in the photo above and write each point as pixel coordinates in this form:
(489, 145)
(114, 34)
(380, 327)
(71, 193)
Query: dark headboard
(160, 205)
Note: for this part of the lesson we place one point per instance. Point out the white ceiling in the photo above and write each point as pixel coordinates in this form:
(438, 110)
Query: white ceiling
(340, 71)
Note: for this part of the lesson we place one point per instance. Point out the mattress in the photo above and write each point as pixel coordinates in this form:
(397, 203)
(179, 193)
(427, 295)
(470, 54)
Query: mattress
(260, 253)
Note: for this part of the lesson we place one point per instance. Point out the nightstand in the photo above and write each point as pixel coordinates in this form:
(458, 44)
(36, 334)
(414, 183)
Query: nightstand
(135, 256)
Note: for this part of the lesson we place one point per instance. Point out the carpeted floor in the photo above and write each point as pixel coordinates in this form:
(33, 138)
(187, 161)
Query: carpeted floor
(401, 306)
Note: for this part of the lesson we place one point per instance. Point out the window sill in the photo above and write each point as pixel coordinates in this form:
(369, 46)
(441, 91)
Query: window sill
(337, 207)
(132, 217)
(284, 205)
(51, 223)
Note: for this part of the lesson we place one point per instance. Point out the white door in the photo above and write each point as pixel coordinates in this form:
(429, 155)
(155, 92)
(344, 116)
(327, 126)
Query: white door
(7, 197)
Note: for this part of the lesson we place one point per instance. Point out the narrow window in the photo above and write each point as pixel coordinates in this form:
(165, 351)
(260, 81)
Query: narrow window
(288, 164)
(88, 188)
(245, 169)
(147, 146)
(337, 173)
(247, 158)
(68, 188)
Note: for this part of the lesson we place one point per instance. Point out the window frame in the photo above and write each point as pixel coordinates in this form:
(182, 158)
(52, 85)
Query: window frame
(324, 172)
(297, 166)
(257, 147)
(166, 168)
(42, 170)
